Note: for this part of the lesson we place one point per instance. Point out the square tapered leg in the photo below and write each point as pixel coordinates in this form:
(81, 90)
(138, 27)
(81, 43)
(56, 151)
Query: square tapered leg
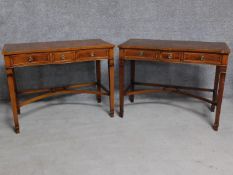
(111, 82)
(121, 83)
(132, 79)
(222, 75)
(13, 97)
(216, 83)
(98, 80)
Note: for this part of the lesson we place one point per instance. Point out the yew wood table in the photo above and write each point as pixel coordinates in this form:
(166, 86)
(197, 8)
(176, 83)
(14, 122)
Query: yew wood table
(191, 52)
(58, 52)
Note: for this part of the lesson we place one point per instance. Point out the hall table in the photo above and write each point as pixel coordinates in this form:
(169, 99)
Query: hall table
(190, 52)
(58, 52)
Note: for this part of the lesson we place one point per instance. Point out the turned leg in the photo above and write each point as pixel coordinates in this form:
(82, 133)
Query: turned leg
(13, 97)
(98, 78)
(111, 85)
(222, 75)
(216, 82)
(121, 86)
(132, 79)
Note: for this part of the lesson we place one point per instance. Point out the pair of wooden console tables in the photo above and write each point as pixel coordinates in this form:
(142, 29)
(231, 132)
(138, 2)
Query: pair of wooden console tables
(63, 52)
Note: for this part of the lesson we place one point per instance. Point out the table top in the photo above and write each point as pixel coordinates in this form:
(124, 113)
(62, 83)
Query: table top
(174, 45)
(19, 48)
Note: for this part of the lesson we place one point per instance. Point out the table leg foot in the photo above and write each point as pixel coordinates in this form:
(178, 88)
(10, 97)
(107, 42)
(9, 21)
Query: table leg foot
(17, 131)
(98, 99)
(18, 111)
(215, 127)
(131, 98)
(212, 108)
(111, 113)
(121, 114)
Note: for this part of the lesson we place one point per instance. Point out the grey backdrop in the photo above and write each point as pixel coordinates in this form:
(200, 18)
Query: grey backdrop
(115, 21)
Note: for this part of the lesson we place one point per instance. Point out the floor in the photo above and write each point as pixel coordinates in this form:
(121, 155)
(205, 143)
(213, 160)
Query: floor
(70, 135)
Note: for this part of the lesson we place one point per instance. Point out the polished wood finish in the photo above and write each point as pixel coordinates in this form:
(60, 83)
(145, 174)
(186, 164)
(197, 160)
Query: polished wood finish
(58, 52)
(139, 54)
(29, 59)
(170, 56)
(55, 46)
(93, 54)
(185, 52)
(173, 45)
(64, 57)
(203, 58)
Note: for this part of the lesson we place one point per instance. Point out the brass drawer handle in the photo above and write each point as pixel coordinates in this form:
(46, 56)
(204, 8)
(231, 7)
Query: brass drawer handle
(30, 59)
(202, 58)
(141, 53)
(170, 56)
(92, 54)
(62, 57)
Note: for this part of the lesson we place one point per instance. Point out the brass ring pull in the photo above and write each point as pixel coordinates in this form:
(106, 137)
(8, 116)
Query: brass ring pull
(202, 58)
(62, 57)
(92, 54)
(141, 53)
(170, 56)
(30, 59)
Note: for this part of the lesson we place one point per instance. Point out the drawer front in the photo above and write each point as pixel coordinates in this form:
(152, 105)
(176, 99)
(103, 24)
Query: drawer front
(140, 54)
(30, 59)
(92, 54)
(62, 57)
(202, 58)
(170, 56)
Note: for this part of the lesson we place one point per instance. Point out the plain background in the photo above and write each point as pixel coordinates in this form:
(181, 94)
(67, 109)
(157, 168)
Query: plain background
(115, 21)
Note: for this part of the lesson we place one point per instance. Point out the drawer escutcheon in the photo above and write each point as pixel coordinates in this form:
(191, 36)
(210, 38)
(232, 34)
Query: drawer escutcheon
(170, 56)
(62, 57)
(202, 58)
(141, 53)
(30, 59)
(92, 54)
